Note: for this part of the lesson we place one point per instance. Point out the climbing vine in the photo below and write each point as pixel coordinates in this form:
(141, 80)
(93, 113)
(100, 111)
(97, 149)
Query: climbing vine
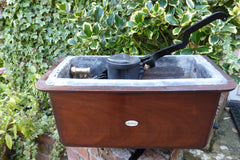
(143, 26)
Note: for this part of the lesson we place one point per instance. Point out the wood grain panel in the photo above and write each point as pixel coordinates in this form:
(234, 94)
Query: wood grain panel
(167, 120)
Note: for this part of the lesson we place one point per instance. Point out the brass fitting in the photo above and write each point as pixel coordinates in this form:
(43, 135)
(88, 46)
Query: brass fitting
(80, 72)
(146, 67)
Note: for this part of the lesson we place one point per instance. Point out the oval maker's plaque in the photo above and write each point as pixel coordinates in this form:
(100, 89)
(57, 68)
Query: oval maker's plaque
(131, 123)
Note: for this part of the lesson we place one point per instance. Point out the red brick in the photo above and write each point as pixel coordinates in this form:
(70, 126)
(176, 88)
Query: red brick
(42, 156)
(45, 138)
(82, 151)
(151, 155)
(75, 153)
(92, 157)
(44, 148)
(45, 143)
(223, 98)
(71, 154)
(94, 151)
(112, 156)
(176, 154)
(106, 154)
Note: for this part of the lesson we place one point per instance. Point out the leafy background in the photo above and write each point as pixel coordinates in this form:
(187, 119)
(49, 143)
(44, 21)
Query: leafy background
(34, 34)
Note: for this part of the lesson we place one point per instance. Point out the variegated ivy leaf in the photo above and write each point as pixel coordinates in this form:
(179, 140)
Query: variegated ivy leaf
(99, 12)
(107, 34)
(218, 23)
(171, 10)
(204, 49)
(110, 44)
(132, 31)
(110, 20)
(233, 61)
(105, 3)
(156, 7)
(196, 37)
(132, 5)
(156, 36)
(133, 50)
(131, 24)
(190, 4)
(96, 28)
(187, 51)
(118, 22)
(171, 19)
(149, 5)
(163, 3)
(94, 45)
(174, 3)
(186, 19)
(235, 42)
(138, 17)
(179, 11)
(145, 10)
(78, 14)
(201, 7)
(150, 46)
(125, 50)
(87, 29)
(213, 39)
(235, 11)
(215, 30)
(148, 33)
(119, 7)
(176, 31)
(64, 6)
(72, 19)
(72, 41)
(230, 28)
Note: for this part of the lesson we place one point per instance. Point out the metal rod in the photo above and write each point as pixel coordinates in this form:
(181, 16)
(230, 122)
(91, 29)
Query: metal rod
(150, 59)
(137, 154)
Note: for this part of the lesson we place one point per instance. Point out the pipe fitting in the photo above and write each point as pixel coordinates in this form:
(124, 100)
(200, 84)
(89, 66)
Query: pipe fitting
(80, 72)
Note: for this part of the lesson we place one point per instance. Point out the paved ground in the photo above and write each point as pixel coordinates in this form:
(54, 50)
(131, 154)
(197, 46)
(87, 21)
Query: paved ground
(225, 143)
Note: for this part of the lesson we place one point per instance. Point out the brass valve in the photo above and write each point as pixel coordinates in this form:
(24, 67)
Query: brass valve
(80, 72)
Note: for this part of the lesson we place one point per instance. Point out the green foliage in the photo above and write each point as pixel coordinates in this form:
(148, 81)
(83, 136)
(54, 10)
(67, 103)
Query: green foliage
(33, 37)
(143, 26)
(22, 122)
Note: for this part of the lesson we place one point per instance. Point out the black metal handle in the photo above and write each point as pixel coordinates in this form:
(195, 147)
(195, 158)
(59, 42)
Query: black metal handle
(150, 60)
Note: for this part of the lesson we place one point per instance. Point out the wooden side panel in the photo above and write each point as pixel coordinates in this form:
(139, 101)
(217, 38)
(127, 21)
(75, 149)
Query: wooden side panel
(166, 119)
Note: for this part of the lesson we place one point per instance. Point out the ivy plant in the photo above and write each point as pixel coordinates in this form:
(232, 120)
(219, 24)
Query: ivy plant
(32, 38)
(141, 27)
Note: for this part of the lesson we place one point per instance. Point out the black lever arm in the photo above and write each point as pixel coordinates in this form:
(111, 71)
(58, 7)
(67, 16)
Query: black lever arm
(150, 60)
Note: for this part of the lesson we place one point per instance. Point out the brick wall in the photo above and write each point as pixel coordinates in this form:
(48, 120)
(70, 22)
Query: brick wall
(83, 153)
(45, 146)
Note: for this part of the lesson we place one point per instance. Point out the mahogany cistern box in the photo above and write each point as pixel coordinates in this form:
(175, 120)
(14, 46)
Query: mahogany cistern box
(173, 106)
